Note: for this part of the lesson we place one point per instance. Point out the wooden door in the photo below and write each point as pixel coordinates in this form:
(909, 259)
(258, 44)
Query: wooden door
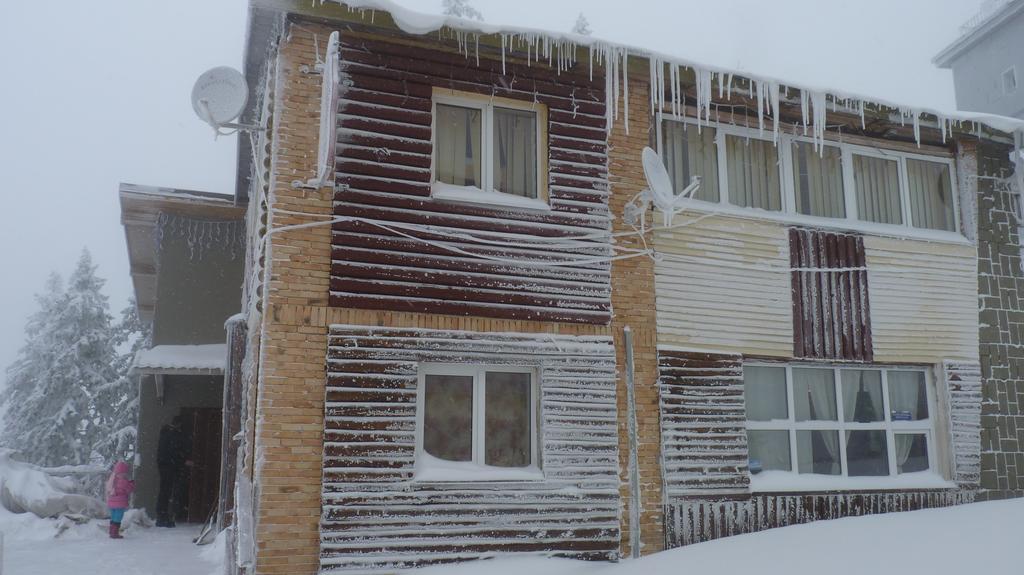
(203, 425)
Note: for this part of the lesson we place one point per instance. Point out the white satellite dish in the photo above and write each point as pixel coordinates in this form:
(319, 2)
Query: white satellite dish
(219, 96)
(660, 186)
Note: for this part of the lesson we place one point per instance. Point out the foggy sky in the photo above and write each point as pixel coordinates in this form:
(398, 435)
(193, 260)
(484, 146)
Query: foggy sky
(97, 92)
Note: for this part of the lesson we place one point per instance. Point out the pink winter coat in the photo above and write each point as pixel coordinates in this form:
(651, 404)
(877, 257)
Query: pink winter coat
(119, 487)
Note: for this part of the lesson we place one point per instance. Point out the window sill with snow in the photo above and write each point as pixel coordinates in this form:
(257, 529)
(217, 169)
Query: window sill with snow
(788, 482)
(475, 195)
(430, 469)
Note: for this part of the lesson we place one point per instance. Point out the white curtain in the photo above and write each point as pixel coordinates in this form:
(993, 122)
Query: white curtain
(818, 178)
(753, 167)
(765, 393)
(515, 152)
(814, 394)
(457, 146)
(878, 189)
(862, 395)
(931, 195)
(907, 393)
(689, 152)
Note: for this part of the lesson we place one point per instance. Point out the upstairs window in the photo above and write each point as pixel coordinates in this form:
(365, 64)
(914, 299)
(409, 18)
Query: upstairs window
(489, 145)
(838, 422)
(742, 168)
(476, 423)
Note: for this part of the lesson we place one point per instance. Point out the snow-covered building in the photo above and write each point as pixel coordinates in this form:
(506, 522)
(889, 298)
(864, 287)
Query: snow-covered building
(186, 253)
(467, 332)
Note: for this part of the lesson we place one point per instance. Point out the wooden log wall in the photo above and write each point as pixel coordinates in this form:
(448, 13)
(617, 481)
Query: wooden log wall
(383, 172)
(831, 312)
(695, 521)
(703, 423)
(375, 516)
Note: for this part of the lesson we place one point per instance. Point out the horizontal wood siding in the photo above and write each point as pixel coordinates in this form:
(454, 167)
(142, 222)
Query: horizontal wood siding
(376, 517)
(703, 418)
(924, 300)
(723, 284)
(384, 156)
(695, 521)
(831, 312)
(963, 389)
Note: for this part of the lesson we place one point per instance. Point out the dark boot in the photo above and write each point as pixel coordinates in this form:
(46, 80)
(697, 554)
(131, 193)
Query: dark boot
(115, 530)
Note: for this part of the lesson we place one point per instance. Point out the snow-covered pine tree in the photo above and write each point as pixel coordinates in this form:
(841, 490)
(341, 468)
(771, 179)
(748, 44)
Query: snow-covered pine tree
(460, 9)
(582, 26)
(69, 354)
(117, 403)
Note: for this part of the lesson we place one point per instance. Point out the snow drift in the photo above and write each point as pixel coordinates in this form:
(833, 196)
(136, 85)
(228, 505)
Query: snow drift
(25, 488)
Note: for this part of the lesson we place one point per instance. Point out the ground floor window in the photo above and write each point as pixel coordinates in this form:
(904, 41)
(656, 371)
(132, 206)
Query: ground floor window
(476, 422)
(839, 421)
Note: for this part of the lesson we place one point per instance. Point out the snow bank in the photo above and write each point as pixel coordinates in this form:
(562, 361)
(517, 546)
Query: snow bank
(26, 488)
(977, 538)
(209, 357)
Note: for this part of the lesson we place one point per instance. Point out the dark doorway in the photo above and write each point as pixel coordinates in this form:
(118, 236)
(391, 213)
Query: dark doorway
(202, 426)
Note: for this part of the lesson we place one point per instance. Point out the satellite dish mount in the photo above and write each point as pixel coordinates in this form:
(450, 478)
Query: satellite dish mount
(219, 97)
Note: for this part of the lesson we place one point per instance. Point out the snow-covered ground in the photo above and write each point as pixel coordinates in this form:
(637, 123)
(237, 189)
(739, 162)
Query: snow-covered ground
(30, 548)
(979, 538)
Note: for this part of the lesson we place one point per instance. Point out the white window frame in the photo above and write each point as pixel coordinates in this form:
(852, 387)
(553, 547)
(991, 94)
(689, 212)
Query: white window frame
(1012, 70)
(788, 213)
(475, 469)
(487, 194)
(926, 427)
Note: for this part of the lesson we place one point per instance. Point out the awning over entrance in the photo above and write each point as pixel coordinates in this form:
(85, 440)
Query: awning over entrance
(206, 359)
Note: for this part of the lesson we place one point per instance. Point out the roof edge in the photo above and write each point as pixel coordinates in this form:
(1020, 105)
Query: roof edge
(944, 59)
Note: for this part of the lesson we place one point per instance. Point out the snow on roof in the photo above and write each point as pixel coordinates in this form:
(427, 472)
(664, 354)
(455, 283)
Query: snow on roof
(559, 48)
(162, 358)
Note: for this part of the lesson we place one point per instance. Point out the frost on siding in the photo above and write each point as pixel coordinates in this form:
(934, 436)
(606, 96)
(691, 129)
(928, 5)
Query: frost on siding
(376, 516)
(963, 394)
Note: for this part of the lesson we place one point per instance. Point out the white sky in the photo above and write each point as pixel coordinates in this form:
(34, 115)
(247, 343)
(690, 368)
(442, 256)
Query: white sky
(97, 92)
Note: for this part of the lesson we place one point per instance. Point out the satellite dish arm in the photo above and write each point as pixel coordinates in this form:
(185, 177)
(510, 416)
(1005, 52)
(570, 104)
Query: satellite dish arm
(207, 117)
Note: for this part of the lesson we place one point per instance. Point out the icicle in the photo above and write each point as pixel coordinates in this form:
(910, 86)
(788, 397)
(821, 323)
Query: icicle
(917, 126)
(774, 87)
(860, 106)
(760, 107)
(819, 101)
(590, 62)
(728, 87)
(503, 40)
(703, 93)
(721, 86)
(652, 81)
(477, 50)
(803, 109)
(625, 89)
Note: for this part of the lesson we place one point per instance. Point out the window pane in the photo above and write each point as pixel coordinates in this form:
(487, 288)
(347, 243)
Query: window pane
(457, 150)
(814, 394)
(764, 389)
(908, 398)
(911, 452)
(753, 173)
(818, 179)
(878, 189)
(688, 152)
(515, 152)
(768, 450)
(862, 395)
(448, 417)
(931, 195)
(866, 453)
(507, 420)
(818, 452)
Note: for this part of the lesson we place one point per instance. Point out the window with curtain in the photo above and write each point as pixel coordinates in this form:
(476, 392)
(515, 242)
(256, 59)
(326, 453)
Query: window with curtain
(837, 421)
(818, 180)
(687, 152)
(931, 195)
(486, 146)
(483, 417)
(878, 189)
(753, 173)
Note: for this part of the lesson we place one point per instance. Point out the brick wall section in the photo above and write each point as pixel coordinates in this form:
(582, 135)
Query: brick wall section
(1000, 288)
(633, 306)
(289, 430)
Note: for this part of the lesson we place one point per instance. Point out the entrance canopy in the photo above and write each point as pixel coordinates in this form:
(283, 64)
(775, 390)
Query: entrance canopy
(206, 359)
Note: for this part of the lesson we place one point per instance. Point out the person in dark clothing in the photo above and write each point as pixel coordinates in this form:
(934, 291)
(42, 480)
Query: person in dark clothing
(171, 457)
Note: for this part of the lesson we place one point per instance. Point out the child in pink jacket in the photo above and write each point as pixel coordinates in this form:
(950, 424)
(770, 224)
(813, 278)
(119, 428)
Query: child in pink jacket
(119, 489)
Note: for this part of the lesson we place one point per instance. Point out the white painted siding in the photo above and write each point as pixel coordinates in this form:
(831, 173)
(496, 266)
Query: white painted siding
(924, 300)
(723, 284)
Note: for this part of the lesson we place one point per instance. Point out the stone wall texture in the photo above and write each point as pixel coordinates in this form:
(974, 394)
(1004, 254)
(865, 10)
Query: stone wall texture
(1001, 288)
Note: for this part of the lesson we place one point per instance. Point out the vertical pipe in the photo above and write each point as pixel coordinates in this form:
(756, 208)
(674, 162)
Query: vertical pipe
(634, 465)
